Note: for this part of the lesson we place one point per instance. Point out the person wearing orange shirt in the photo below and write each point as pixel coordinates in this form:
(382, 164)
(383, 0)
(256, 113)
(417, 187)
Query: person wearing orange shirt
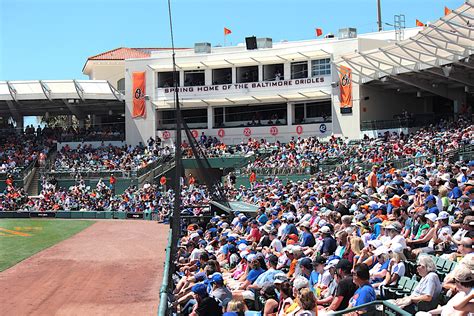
(372, 179)
(191, 181)
(252, 179)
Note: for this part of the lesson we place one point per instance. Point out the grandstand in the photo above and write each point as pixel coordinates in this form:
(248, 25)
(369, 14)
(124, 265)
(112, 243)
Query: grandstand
(346, 164)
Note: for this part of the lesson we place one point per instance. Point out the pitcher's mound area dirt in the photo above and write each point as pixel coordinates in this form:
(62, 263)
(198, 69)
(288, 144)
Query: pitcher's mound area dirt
(110, 268)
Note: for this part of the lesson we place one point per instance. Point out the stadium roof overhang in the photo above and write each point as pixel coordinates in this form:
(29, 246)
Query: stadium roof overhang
(59, 97)
(438, 60)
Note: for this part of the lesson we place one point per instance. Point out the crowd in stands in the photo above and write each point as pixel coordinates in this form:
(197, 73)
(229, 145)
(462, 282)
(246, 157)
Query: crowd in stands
(341, 240)
(336, 240)
(86, 158)
(105, 132)
(430, 141)
(18, 151)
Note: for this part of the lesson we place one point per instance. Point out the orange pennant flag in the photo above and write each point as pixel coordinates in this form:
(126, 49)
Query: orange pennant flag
(227, 31)
(319, 32)
(447, 10)
(419, 23)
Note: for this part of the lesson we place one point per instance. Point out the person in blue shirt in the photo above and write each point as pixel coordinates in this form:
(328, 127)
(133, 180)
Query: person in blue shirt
(455, 190)
(262, 218)
(254, 272)
(365, 293)
(307, 238)
(430, 205)
(318, 270)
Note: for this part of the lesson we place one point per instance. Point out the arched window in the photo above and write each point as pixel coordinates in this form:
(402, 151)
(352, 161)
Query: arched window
(121, 85)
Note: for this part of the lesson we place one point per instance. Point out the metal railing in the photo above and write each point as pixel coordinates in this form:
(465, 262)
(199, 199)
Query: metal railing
(403, 122)
(375, 308)
(163, 307)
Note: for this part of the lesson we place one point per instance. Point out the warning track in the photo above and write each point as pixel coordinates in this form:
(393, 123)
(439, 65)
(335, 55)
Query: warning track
(110, 268)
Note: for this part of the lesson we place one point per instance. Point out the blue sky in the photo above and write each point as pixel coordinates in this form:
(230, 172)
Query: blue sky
(51, 39)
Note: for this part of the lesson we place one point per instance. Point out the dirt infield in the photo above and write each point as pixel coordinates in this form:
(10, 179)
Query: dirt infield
(110, 268)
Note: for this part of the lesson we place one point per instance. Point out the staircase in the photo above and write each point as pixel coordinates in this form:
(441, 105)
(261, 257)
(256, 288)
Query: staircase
(32, 188)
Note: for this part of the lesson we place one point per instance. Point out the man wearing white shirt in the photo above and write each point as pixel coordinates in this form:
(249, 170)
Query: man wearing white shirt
(393, 231)
(275, 244)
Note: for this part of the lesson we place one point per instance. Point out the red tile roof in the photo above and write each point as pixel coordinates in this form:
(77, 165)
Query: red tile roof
(123, 53)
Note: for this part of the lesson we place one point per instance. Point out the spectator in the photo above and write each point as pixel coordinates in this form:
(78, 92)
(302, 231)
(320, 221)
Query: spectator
(365, 293)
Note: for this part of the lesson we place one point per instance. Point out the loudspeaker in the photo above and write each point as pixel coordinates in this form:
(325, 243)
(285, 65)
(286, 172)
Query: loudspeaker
(251, 42)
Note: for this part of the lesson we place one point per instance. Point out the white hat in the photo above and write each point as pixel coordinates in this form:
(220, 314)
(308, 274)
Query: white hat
(300, 282)
(242, 247)
(376, 243)
(395, 226)
(193, 235)
(280, 278)
(380, 250)
(295, 249)
(442, 215)
(251, 257)
(431, 216)
(331, 264)
(244, 253)
(325, 230)
(306, 224)
(396, 248)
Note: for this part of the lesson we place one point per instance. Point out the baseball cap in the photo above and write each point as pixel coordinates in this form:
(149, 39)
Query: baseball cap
(217, 278)
(431, 216)
(300, 282)
(276, 222)
(305, 224)
(344, 264)
(306, 262)
(331, 264)
(395, 226)
(397, 248)
(199, 289)
(194, 235)
(375, 220)
(280, 278)
(325, 230)
(430, 198)
(463, 274)
(380, 250)
(442, 215)
(319, 260)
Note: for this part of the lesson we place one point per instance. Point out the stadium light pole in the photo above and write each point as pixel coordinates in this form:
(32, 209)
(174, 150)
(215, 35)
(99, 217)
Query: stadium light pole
(176, 218)
(379, 15)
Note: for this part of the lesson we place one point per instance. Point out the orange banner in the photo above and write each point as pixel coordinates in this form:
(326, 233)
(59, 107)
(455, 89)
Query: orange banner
(345, 84)
(138, 92)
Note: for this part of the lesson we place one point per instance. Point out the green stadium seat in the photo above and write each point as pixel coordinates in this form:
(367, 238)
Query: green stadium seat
(407, 288)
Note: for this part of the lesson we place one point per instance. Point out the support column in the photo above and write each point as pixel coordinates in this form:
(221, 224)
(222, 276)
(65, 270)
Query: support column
(289, 114)
(210, 115)
(20, 123)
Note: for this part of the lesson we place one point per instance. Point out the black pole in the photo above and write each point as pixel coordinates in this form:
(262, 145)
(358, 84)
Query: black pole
(176, 218)
(379, 15)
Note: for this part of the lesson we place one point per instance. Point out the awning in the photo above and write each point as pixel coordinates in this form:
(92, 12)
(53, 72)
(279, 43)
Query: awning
(57, 90)
(234, 207)
(447, 41)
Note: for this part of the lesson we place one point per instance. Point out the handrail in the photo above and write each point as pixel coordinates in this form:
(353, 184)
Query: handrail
(163, 307)
(384, 304)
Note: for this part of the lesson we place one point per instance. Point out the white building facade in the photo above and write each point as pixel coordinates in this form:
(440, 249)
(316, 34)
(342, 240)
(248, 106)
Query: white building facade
(276, 92)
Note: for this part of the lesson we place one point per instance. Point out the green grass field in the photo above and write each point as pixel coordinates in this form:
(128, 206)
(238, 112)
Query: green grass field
(22, 238)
